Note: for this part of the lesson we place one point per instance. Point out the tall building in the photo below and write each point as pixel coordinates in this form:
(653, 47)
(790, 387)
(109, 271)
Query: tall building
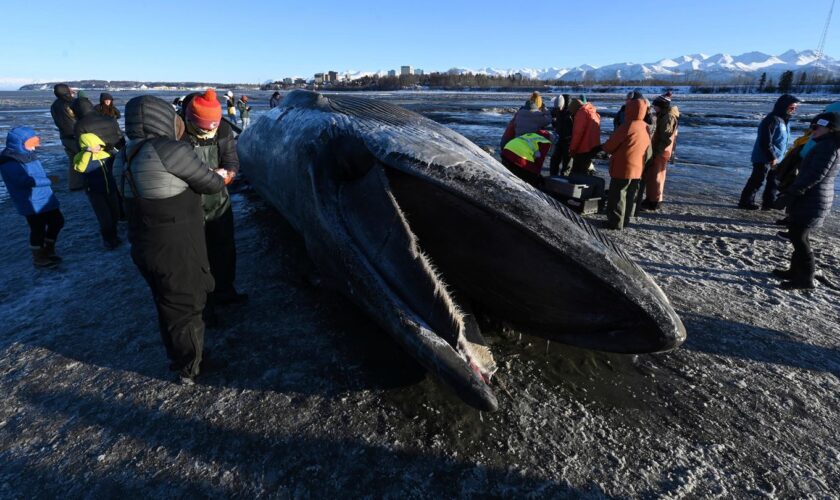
(418, 72)
(406, 70)
(392, 72)
(319, 78)
(332, 76)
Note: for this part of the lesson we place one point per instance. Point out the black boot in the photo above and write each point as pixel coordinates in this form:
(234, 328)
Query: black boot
(40, 258)
(802, 273)
(49, 249)
(785, 274)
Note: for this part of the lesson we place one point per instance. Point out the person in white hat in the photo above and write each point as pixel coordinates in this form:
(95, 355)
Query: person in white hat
(231, 106)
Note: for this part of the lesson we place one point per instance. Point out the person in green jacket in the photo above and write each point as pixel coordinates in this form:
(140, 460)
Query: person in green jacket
(244, 111)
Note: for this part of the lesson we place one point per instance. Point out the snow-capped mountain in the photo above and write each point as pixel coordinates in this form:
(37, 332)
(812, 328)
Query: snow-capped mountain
(713, 68)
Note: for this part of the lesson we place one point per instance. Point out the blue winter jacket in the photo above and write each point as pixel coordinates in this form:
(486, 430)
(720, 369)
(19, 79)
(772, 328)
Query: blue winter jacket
(813, 190)
(773, 135)
(25, 179)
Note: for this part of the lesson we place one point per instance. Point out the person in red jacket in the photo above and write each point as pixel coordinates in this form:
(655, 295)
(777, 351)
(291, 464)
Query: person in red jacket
(586, 135)
(629, 146)
(525, 155)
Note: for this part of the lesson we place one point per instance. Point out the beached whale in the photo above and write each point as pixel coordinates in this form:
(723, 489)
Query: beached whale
(414, 223)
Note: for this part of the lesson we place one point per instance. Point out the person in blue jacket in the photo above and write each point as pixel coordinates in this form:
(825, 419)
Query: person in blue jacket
(31, 194)
(811, 198)
(769, 149)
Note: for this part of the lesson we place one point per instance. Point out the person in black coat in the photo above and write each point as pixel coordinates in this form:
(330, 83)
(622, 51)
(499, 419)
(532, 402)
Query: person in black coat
(164, 181)
(106, 106)
(65, 119)
(561, 120)
(810, 199)
(100, 186)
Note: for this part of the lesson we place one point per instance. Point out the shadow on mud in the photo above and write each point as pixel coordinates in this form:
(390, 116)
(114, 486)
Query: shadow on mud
(273, 464)
(728, 338)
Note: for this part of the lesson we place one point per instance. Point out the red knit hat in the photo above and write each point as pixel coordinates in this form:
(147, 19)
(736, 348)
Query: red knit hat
(204, 111)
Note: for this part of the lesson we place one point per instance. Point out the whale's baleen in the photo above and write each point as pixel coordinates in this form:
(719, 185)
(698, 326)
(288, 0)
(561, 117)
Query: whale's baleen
(410, 219)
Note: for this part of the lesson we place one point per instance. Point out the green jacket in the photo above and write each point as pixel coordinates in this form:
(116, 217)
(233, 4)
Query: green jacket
(665, 135)
(244, 109)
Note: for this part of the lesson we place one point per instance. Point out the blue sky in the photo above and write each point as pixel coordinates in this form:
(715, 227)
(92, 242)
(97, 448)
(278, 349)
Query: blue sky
(253, 41)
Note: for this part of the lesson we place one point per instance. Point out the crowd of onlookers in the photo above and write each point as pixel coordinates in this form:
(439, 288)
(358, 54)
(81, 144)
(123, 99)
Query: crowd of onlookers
(799, 179)
(168, 174)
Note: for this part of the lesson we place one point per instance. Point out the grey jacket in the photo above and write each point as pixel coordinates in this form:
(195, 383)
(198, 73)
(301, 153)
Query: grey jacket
(155, 165)
(527, 121)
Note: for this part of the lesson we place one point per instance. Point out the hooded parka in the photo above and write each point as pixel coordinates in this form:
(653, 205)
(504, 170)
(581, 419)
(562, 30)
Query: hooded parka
(630, 144)
(163, 182)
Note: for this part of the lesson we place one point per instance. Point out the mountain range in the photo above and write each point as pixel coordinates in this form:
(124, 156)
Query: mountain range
(717, 68)
(693, 68)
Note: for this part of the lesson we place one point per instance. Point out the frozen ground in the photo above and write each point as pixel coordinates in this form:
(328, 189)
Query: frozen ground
(316, 401)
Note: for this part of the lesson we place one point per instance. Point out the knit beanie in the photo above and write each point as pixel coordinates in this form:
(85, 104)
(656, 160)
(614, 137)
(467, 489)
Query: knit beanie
(559, 102)
(205, 111)
(830, 120)
(662, 101)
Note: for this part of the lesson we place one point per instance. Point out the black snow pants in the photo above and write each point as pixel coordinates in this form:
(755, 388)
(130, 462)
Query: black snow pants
(802, 262)
(760, 173)
(221, 252)
(45, 225)
(106, 207)
(167, 246)
(560, 157)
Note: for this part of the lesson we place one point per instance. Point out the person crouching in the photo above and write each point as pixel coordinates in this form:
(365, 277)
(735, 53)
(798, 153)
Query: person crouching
(629, 146)
(524, 156)
(163, 180)
(30, 191)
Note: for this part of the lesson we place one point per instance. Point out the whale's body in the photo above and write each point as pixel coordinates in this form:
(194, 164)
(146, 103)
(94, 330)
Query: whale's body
(413, 222)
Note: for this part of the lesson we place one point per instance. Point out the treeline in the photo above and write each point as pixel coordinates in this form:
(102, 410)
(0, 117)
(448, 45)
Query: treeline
(131, 84)
(800, 82)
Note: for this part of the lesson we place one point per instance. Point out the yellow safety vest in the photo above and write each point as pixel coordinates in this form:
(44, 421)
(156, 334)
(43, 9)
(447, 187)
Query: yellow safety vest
(526, 145)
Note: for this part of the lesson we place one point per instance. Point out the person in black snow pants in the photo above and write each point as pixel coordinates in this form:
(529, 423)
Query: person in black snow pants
(771, 142)
(29, 189)
(810, 199)
(162, 181)
(561, 120)
(212, 140)
(97, 166)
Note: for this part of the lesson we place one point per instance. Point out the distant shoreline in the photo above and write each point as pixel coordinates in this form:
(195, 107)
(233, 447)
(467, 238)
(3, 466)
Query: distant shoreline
(651, 88)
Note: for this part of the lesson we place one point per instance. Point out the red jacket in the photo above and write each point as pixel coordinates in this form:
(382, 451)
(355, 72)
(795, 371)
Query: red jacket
(586, 130)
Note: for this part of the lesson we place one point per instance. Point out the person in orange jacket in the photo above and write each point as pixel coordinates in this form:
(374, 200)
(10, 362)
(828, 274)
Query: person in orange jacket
(630, 148)
(586, 134)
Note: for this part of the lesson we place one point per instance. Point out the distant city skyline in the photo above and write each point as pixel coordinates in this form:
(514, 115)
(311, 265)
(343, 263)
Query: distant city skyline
(257, 41)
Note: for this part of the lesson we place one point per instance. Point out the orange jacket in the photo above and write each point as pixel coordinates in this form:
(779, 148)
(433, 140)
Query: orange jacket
(586, 130)
(629, 145)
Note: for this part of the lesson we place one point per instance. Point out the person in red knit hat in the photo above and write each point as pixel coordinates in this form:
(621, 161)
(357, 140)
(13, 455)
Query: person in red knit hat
(212, 140)
(205, 111)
